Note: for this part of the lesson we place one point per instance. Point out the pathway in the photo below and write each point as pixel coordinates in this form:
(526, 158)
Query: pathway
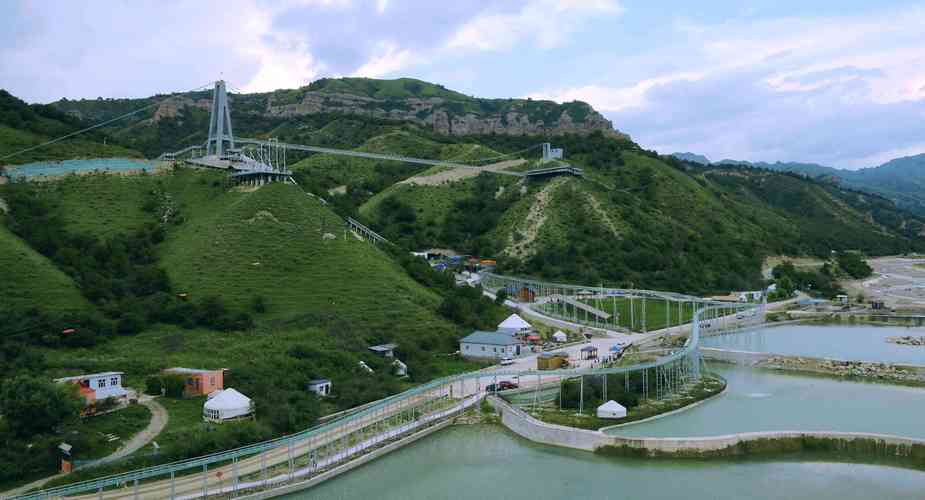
(158, 421)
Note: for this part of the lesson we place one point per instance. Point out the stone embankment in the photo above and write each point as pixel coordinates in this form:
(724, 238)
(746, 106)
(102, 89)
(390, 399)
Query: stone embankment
(886, 372)
(907, 340)
(860, 447)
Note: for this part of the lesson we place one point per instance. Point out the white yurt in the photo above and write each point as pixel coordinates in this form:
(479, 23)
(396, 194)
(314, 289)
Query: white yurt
(514, 324)
(559, 336)
(611, 409)
(227, 405)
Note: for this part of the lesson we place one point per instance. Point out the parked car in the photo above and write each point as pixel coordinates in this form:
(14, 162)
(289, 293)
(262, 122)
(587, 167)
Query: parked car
(504, 385)
(507, 361)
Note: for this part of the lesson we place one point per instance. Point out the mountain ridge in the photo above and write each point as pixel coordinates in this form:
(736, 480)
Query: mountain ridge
(900, 179)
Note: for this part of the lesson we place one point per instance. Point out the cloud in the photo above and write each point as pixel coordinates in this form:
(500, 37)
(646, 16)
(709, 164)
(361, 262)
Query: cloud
(843, 91)
(388, 59)
(544, 22)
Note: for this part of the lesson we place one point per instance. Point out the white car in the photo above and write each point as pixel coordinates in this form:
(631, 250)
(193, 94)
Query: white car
(507, 361)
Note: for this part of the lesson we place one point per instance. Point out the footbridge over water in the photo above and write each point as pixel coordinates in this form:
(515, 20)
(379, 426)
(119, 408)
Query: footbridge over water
(300, 460)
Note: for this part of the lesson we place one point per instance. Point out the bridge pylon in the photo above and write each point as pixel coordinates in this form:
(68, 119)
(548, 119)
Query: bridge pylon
(219, 122)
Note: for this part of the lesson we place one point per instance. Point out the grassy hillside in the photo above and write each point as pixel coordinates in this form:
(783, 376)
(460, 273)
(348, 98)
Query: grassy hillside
(24, 125)
(643, 220)
(27, 279)
(272, 243)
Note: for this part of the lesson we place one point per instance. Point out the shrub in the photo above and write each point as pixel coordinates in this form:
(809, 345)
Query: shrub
(153, 385)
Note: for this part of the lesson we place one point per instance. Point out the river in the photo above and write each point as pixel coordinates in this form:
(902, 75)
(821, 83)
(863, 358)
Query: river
(476, 462)
(859, 343)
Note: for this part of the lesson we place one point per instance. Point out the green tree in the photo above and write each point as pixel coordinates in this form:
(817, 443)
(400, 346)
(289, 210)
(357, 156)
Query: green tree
(33, 406)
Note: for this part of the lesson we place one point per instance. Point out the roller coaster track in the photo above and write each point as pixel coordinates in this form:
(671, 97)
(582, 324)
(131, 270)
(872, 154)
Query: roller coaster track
(159, 481)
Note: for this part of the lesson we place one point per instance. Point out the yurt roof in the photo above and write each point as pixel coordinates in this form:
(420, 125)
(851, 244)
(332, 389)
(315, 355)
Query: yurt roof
(229, 399)
(514, 322)
(611, 406)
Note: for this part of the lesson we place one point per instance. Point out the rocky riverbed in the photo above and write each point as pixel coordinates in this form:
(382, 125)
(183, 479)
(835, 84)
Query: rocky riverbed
(907, 340)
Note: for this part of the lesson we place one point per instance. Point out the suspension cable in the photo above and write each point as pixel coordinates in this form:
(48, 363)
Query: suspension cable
(98, 125)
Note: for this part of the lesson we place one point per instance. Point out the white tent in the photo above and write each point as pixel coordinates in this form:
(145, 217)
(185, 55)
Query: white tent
(227, 404)
(559, 336)
(611, 409)
(515, 324)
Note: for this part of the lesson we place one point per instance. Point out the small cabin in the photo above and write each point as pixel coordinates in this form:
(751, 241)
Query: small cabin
(197, 381)
(489, 345)
(384, 350)
(320, 386)
(96, 387)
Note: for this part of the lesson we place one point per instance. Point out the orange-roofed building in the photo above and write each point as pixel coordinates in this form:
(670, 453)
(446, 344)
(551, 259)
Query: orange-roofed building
(199, 382)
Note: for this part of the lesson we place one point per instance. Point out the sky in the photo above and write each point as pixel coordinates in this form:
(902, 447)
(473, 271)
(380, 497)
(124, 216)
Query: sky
(841, 83)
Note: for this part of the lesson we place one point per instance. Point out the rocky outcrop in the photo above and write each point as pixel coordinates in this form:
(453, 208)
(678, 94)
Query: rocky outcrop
(450, 117)
(907, 340)
(171, 108)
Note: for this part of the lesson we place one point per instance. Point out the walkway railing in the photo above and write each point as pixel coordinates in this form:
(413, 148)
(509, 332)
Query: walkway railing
(199, 476)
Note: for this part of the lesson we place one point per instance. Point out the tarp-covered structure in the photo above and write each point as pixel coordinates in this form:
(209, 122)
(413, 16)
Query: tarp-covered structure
(227, 405)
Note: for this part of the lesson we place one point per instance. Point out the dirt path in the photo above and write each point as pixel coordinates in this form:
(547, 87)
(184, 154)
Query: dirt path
(158, 421)
(459, 173)
(530, 227)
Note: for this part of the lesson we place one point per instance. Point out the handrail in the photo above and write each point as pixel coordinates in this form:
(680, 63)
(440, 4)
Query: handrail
(690, 348)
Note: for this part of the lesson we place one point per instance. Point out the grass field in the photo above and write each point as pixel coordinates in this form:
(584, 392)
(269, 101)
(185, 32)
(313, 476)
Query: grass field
(648, 315)
(28, 279)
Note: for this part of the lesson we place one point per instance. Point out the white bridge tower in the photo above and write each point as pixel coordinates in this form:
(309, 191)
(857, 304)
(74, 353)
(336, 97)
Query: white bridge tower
(219, 122)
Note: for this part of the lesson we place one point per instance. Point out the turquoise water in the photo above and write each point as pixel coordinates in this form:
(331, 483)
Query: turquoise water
(476, 462)
(58, 168)
(758, 400)
(861, 343)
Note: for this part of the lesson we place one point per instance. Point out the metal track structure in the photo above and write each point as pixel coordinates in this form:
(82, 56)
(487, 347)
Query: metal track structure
(304, 455)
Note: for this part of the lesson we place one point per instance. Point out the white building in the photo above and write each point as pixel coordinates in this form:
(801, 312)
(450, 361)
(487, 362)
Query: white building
(489, 345)
(514, 325)
(611, 409)
(320, 386)
(97, 387)
(225, 405)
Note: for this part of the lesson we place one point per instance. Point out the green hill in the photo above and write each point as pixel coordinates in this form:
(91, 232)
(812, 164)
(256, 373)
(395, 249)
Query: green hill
(25, 125)
(637, 218)
(27, 280)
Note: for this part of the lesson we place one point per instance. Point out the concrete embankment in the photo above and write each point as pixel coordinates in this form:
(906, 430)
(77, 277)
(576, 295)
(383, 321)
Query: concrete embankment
(859, 447)
(889, 372)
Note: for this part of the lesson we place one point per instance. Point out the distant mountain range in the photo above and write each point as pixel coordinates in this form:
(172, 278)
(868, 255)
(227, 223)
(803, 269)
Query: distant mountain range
(901, 180)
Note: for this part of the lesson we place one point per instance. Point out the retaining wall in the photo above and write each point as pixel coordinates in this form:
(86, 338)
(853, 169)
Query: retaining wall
(863, 447)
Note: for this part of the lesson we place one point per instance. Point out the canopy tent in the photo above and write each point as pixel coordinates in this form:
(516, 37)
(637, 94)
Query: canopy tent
(559, 336)
(611, 409)
(514, 323)
(227, 404)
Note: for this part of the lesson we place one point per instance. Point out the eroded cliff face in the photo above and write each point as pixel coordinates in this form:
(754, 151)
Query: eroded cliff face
(448, 117)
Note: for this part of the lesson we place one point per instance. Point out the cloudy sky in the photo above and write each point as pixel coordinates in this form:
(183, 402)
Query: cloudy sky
(840, 83)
